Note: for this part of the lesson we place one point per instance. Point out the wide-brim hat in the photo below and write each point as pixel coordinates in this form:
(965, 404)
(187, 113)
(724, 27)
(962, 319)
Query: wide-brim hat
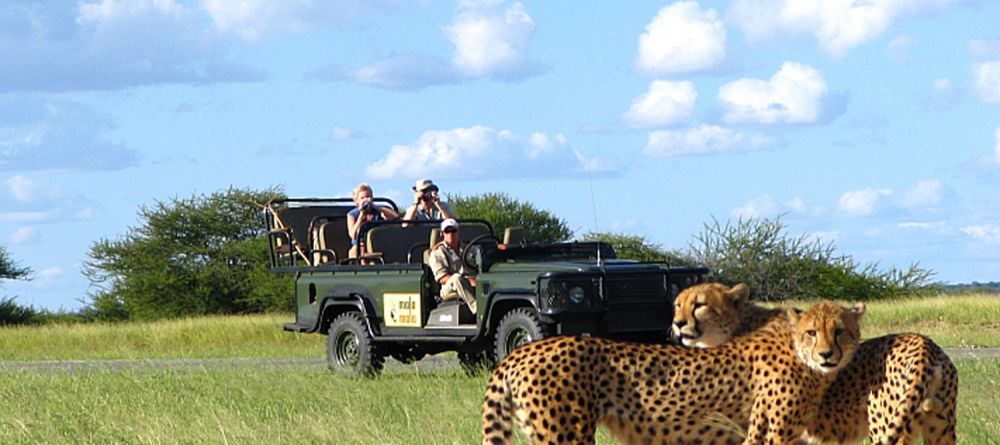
(423, 185)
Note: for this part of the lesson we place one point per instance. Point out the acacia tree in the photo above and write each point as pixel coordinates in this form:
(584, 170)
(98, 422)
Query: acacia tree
(10, 311)
(503, 211)
(191, 256)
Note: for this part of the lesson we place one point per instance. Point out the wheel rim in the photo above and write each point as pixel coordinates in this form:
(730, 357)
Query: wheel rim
(347, 349)
(516, 338)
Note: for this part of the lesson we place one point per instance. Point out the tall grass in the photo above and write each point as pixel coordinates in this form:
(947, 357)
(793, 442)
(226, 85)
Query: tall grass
(273, 406)
(253, 336)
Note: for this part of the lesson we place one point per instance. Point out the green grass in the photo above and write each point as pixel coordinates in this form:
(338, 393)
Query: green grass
(256, 336)
(950, 320)
(273, 406)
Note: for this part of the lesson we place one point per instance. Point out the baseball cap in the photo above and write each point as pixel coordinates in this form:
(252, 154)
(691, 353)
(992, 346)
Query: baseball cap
(449, 223)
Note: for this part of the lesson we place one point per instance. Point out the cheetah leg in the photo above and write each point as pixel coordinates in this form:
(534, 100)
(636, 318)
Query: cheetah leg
(938, 426)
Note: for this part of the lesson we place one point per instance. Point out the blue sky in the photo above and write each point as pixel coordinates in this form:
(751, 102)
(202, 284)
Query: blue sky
(874, 124)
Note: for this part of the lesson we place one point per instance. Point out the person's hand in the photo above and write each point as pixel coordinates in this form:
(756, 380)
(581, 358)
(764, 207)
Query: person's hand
(417, 195)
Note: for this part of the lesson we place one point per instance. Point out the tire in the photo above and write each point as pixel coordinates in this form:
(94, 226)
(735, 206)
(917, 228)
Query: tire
(476, 363)
(350, 349)
(519, 327)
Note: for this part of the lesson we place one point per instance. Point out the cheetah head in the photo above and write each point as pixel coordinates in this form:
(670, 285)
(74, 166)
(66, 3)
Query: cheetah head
(826, 334)
(706, 314)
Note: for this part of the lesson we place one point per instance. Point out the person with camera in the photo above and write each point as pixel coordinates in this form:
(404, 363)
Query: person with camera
(446, 263)
(427, 205)
(366, 210)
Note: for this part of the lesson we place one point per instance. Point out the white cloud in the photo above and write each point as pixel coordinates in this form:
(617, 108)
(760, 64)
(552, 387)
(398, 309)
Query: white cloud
(62, 46)
(24, 235)
(705, 139)
(681, 38)
(922, 194)
(793, 95)
(945, 94)
(838, 25)
(987, 233)
(666, 103)
(987, 80)
(984, 49)
(935, 226)
(255, 19)
(482, 152)
(343, 134)
(489, 44)
(862, 202)
(23, 189)
(764, 206)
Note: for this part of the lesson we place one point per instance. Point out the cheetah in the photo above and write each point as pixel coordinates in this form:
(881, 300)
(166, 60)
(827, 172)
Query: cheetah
(895, 389)
(558, 390)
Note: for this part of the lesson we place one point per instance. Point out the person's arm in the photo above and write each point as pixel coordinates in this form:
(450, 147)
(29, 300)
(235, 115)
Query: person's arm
(438, 266)
(388, 212)
(444, 208)
(353, 224)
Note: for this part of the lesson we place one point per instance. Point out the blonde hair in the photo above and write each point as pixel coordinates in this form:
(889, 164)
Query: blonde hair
(362, 187)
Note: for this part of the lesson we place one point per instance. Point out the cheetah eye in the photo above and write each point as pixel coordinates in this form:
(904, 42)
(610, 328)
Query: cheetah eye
(811, 332)
(837, 332)
(698, 305)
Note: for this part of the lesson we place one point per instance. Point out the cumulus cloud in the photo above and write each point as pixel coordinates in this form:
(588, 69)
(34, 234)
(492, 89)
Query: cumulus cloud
(344, 134)
(24, 235)
(764, 206)
(488, 43)
(52, 134)
(25, 200)
(982, 49)
(60, 46)
(862, 202)
(945, 94)
(706, 139)
(987, 233)
(987, 79)
(666, 103)
(838, 26)
(793, 95)
(681, 38)
(922, 194)
(482, 152)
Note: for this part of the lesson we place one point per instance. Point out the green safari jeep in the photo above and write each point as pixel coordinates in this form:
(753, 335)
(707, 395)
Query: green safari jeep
(386, 303)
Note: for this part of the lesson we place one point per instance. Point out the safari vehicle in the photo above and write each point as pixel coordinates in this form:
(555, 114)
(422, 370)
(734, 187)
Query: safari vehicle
(386, 303)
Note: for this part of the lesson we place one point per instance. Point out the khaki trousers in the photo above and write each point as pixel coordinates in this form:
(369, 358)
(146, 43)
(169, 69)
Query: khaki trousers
(456, 287)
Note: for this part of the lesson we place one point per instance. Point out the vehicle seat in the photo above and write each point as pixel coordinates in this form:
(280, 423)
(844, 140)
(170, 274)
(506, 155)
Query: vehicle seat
(393, 243)
(514, 235)
(330, 241)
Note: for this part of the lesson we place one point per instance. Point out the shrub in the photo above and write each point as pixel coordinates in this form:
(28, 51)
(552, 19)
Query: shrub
(635, 247)
(503, 211)
(776, 266)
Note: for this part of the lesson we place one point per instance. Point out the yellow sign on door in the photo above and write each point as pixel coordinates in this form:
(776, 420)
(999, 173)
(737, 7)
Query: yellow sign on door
(402, 310)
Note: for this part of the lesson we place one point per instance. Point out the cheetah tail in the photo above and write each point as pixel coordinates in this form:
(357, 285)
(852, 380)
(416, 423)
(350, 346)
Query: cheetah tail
(497, 421)
(931, 401)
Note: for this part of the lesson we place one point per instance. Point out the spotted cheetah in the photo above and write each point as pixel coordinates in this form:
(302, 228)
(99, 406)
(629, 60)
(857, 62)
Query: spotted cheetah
(895, 389)
(558, 390)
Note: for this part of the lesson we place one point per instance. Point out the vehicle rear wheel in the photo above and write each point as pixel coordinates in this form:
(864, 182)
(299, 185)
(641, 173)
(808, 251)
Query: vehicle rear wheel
(519, 327)
(350, 349)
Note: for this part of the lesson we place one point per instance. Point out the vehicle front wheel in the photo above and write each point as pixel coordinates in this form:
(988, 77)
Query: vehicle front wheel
(519, 327)
(350, 349)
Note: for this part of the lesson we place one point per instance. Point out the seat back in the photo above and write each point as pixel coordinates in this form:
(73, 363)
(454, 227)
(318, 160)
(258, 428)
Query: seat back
(330, 235)
(514, 235)
(394, 243)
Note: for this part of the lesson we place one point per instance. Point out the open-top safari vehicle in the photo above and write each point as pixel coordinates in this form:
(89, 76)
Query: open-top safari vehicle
(387, 303)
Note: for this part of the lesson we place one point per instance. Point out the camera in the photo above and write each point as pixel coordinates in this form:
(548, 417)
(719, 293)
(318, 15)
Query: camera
(369, 207)
(429, 195)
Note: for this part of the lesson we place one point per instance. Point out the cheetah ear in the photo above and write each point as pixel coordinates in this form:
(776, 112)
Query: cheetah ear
(857, 310)
(739, 292)
(793, 314)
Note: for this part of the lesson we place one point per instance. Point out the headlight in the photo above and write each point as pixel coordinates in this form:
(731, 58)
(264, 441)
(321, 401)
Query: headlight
(576, 294)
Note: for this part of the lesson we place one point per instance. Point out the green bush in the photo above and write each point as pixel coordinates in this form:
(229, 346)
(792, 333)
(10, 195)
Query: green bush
(12, 313)
(503, 211)
(195, 256)
(635, 247)
(776, 266)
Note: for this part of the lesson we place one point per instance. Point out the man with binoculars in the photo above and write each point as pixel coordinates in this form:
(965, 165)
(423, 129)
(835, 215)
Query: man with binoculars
(427, 205)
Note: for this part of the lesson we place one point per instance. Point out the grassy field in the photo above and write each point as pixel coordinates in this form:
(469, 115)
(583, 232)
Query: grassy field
(952, 321)
(271, 406)
(251, 405)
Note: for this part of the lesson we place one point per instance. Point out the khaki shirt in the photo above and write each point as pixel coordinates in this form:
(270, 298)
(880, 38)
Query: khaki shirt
(445, 261)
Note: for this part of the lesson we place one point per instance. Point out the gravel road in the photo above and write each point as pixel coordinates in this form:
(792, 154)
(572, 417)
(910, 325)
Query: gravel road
(428, 364)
